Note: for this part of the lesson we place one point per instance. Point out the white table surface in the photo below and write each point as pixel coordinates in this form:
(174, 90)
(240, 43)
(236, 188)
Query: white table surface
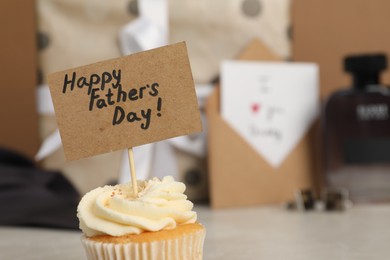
(362, 232)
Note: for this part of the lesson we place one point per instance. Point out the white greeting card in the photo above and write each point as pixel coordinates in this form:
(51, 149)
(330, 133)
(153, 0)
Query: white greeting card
(270, 104)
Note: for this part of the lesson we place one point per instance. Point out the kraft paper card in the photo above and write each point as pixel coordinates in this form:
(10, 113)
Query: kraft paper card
(125, 102)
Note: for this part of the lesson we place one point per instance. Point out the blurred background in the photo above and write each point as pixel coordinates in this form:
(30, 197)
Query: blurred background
(340, 155)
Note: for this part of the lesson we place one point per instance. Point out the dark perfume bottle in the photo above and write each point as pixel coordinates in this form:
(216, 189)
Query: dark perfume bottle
(357, 132)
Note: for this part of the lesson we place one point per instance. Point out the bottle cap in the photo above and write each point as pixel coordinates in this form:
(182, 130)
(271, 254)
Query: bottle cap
(365, 69)
(370, 63)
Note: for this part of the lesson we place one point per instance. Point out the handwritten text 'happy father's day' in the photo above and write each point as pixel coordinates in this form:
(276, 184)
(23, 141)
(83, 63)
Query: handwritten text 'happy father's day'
(106, 90)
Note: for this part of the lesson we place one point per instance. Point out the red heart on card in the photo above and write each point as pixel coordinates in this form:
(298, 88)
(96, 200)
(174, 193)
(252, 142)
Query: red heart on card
(255, 107)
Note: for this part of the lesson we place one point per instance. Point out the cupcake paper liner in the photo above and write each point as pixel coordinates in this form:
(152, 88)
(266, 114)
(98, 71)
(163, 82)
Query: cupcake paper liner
(188, 246)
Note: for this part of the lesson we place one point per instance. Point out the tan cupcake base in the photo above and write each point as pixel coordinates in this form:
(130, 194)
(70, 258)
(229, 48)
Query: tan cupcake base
(183, 242)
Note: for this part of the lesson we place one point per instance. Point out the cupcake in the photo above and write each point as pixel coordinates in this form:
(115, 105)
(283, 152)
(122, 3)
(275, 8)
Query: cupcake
(158, 223)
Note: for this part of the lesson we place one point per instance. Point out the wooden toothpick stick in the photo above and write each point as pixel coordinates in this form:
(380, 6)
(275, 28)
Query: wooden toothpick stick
(132, 171)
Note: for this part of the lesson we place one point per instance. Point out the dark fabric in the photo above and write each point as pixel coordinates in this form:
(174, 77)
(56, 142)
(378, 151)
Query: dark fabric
(34, 197)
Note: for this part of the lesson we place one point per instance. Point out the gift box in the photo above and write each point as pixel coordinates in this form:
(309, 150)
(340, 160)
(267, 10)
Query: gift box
(137, 26)
(238, 175)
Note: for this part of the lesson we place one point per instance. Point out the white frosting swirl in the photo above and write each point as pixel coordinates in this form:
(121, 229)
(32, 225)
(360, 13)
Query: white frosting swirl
(114, 210)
